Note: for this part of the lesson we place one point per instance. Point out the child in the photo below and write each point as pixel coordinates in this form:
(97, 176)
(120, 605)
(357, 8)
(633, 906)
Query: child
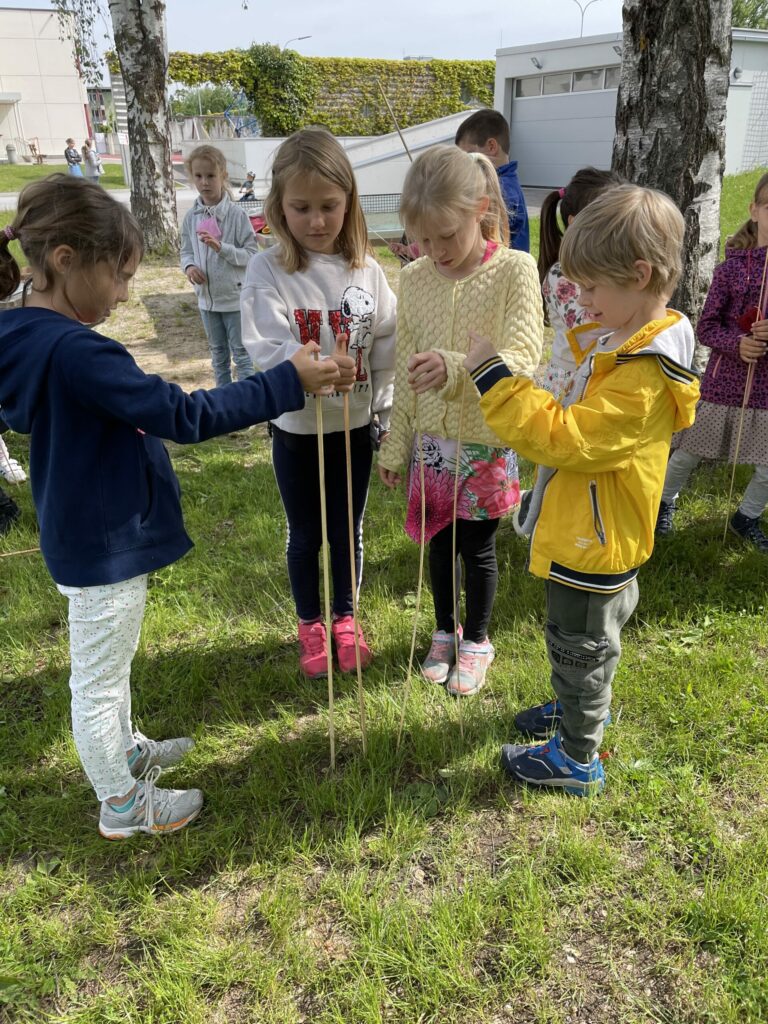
(247, 194)
(316, 284)
(605, 451)
(487, 132)
(574, 335)
(451, 204)
(106, 495)
(732, 327)
(91, 162)
(217, 240)
(73, 159)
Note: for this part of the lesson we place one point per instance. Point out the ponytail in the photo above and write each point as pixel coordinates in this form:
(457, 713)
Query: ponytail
(10, 274)
(550, 234)
(495, 222)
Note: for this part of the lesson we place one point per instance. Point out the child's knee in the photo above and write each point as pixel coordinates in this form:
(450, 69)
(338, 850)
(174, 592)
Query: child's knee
(578, 659)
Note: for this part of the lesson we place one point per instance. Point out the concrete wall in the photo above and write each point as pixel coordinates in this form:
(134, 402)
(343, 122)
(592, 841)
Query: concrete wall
(39, 65)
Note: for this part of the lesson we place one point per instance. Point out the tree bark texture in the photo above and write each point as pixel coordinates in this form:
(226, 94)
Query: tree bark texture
(670, 120)
(142, 48)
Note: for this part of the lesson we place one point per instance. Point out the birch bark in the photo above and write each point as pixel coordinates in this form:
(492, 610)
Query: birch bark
(670, 121)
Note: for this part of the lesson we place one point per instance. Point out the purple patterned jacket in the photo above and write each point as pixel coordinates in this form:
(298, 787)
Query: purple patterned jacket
(734, 290)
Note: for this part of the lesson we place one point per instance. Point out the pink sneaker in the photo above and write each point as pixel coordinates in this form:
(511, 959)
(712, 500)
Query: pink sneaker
(468, 677)
(313, 649)
(343, 630)
(438, 663)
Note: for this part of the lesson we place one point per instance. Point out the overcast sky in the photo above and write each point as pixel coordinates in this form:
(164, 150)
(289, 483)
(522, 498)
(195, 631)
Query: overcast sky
(388, 28)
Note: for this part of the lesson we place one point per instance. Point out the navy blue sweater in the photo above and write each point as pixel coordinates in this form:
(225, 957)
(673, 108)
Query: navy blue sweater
(107, 498)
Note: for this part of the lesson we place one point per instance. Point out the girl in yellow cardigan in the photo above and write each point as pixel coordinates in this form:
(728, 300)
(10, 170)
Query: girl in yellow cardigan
(451, 205)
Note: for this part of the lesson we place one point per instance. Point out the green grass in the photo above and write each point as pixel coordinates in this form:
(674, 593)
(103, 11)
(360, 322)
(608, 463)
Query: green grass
(409, 886)
(14, 177)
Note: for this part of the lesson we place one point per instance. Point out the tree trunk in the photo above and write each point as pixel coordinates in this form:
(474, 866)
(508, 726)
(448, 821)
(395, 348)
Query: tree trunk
(670, 120)
(142, 48)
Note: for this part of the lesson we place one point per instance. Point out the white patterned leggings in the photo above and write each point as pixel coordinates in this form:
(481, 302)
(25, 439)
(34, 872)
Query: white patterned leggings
(104, 627)
(680, 467)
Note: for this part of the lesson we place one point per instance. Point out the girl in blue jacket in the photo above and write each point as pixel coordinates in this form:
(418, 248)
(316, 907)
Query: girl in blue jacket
(106, 496)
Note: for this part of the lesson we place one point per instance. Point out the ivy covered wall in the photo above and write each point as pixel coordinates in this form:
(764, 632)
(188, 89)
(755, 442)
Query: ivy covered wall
(288, 91)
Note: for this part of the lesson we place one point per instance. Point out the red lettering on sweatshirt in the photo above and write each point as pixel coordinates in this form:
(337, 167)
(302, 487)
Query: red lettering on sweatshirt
(309, 322)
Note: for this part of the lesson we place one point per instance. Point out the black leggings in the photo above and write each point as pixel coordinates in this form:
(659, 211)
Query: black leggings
(294, 457)
(476, 545)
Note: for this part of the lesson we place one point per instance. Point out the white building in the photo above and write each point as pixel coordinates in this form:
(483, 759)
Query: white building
(560, 100)
(43, 100)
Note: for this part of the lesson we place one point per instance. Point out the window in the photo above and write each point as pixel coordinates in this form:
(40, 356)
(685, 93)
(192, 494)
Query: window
(583, 81)
(612, 76)
(557, 83)
(528, 87)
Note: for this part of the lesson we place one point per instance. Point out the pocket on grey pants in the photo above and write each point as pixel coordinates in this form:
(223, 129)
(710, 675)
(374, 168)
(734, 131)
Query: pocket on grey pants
(579, 660)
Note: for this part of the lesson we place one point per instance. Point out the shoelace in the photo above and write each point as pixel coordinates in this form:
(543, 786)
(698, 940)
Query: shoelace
(313, 643)
(152, 748)
(151, 795)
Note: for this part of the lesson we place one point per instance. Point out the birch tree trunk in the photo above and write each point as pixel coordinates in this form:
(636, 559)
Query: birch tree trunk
(670, 120)
(142, 48)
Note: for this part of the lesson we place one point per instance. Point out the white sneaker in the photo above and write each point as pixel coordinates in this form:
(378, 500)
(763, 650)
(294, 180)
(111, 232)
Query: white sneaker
(155, 811)
(158, 753)
(468, 677)
(442, 654)
(11, 471)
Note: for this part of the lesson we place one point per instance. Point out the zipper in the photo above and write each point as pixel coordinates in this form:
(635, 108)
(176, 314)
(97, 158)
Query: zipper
(597, 519)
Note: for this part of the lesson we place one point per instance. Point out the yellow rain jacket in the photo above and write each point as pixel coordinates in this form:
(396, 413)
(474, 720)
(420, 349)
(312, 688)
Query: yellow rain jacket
(602, 451)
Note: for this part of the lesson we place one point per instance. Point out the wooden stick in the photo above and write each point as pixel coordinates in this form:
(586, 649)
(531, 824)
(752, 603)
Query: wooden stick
(353, 572)
(326, 579)
(453, 549)
(26, 551)
(422, 531)
(394, 119)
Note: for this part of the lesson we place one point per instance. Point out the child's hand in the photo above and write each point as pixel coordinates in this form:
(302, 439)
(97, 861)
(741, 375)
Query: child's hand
(760, 330)
(480, 349)
(345, 363)
(316, 375)
(389, 478)
(426, 370)
(207, 239)
(195, 275)
(751, 349)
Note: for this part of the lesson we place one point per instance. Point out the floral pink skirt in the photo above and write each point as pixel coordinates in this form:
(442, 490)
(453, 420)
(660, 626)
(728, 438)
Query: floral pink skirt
(488, 484)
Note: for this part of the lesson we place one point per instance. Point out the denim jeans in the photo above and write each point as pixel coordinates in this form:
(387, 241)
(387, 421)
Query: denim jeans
(225, 341)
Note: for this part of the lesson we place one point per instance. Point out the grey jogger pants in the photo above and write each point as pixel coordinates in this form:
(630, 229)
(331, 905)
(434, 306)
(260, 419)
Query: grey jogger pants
(583, 645)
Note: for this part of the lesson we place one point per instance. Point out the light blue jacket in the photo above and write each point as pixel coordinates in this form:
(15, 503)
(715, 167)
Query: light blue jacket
(224, 271)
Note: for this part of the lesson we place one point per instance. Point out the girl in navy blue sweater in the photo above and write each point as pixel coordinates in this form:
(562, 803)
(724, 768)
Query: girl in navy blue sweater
(106, 496)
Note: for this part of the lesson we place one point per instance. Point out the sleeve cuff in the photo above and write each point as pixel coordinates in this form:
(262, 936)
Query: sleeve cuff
(489, 373)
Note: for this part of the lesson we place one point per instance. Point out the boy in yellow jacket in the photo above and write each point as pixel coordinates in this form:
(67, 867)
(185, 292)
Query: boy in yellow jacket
(602, 452)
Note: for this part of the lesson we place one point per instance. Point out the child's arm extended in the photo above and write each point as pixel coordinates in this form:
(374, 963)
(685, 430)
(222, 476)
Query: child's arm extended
(102, 375)
(521, 338)
(597, 434)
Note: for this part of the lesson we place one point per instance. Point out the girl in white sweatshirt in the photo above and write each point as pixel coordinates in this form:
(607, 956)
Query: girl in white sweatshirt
(320, 282)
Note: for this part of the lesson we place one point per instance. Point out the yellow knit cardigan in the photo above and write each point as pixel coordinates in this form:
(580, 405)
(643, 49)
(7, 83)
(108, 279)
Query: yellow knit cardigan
(500, 300)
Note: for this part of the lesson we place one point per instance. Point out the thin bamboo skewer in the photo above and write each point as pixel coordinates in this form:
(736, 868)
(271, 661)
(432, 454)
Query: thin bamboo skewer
(422, 531)
(326, 580)
(747, 393)
(453, 547)
(26, 551)
(353, 572)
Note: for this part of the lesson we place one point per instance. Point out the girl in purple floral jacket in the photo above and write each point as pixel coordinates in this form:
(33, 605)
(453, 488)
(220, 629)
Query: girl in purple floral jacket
(737, 332)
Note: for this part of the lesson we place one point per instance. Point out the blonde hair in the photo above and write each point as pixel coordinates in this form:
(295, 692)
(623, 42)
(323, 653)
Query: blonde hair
(214, 156)
(624, 224)
(448, 183)
(746, 236)
(314, 153)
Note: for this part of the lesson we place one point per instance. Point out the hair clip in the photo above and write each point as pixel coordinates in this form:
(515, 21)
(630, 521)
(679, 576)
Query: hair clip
(9, 233)
(561, 193)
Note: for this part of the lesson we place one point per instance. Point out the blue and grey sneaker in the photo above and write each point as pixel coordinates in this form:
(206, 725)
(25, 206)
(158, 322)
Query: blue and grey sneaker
(549, 765)
(541, 721)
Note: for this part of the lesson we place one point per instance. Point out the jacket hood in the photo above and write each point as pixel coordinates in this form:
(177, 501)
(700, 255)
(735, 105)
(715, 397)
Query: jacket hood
(24, 362)
(672, 342)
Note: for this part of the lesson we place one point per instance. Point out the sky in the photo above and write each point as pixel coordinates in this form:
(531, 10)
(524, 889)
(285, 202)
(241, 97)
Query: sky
(390, 28)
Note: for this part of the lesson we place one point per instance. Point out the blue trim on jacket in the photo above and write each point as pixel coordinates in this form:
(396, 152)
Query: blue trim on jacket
(106, 495)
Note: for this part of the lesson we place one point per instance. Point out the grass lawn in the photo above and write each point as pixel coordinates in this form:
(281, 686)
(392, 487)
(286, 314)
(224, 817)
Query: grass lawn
(14, 177)
(408, 886)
